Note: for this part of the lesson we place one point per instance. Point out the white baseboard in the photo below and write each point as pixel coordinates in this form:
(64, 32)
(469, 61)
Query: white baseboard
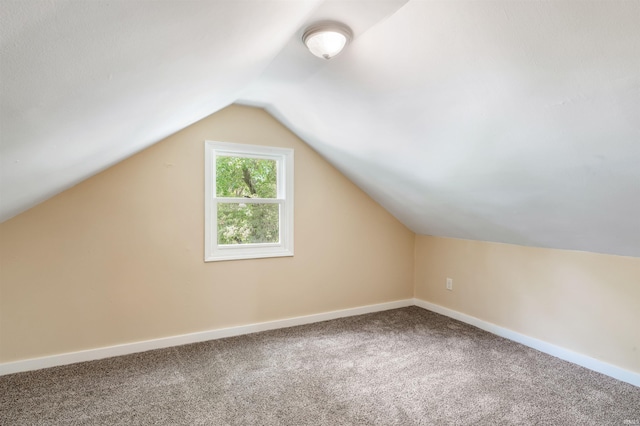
(130, 348)
(548, 348)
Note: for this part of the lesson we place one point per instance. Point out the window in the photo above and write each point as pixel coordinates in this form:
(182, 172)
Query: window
(248, 201)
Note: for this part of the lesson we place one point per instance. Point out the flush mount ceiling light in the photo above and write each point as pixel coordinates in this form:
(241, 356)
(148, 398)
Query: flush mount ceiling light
(326, 39)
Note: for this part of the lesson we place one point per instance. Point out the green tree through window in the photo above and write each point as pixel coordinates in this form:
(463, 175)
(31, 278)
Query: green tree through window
(243, 223)
(248, 201)
(246, 177)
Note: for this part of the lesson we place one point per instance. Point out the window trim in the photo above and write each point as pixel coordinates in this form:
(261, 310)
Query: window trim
(284, 160)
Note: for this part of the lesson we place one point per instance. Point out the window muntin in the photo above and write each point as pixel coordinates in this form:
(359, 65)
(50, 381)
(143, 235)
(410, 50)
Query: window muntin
(248, 201)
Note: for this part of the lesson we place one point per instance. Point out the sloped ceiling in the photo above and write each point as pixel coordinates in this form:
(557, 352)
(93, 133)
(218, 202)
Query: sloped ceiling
(504, 121)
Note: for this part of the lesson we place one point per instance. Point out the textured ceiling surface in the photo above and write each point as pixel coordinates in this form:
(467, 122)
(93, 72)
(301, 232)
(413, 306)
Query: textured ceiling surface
(504, 121)
(84, 84)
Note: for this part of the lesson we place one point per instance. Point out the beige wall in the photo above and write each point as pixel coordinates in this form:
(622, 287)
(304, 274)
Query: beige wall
(585, 302)
(119, 257)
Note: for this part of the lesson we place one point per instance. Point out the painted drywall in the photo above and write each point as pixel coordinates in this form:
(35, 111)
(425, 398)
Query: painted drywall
(585, 302)
(120, 76)
(506, 121)
(119, 257)
(501, 120)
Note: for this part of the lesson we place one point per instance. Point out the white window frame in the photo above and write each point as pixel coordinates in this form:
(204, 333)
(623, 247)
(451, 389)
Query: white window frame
(284, 161)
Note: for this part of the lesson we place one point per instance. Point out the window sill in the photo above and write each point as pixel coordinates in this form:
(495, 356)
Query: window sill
(235, 255)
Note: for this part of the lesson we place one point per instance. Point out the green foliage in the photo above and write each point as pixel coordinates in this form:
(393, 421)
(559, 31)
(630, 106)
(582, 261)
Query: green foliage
(248, 223)
(246, 177)
(240, 223)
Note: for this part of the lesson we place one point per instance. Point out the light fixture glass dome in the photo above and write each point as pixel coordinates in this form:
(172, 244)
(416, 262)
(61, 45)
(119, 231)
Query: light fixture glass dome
(327, 39)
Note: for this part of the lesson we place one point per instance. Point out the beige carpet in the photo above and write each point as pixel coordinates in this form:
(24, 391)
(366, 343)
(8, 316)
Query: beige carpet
(402, 367)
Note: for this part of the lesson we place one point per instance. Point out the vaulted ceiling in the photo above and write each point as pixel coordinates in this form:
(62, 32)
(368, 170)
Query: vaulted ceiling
(508, 121)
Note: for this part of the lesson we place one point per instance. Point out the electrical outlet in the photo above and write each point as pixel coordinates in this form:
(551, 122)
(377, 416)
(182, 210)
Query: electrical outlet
(449, 284)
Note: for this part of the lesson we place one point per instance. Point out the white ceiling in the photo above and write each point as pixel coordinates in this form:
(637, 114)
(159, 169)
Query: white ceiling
(509, 121)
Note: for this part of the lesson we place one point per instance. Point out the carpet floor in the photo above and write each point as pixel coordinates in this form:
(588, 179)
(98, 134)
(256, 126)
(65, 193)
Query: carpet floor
(406, 366)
